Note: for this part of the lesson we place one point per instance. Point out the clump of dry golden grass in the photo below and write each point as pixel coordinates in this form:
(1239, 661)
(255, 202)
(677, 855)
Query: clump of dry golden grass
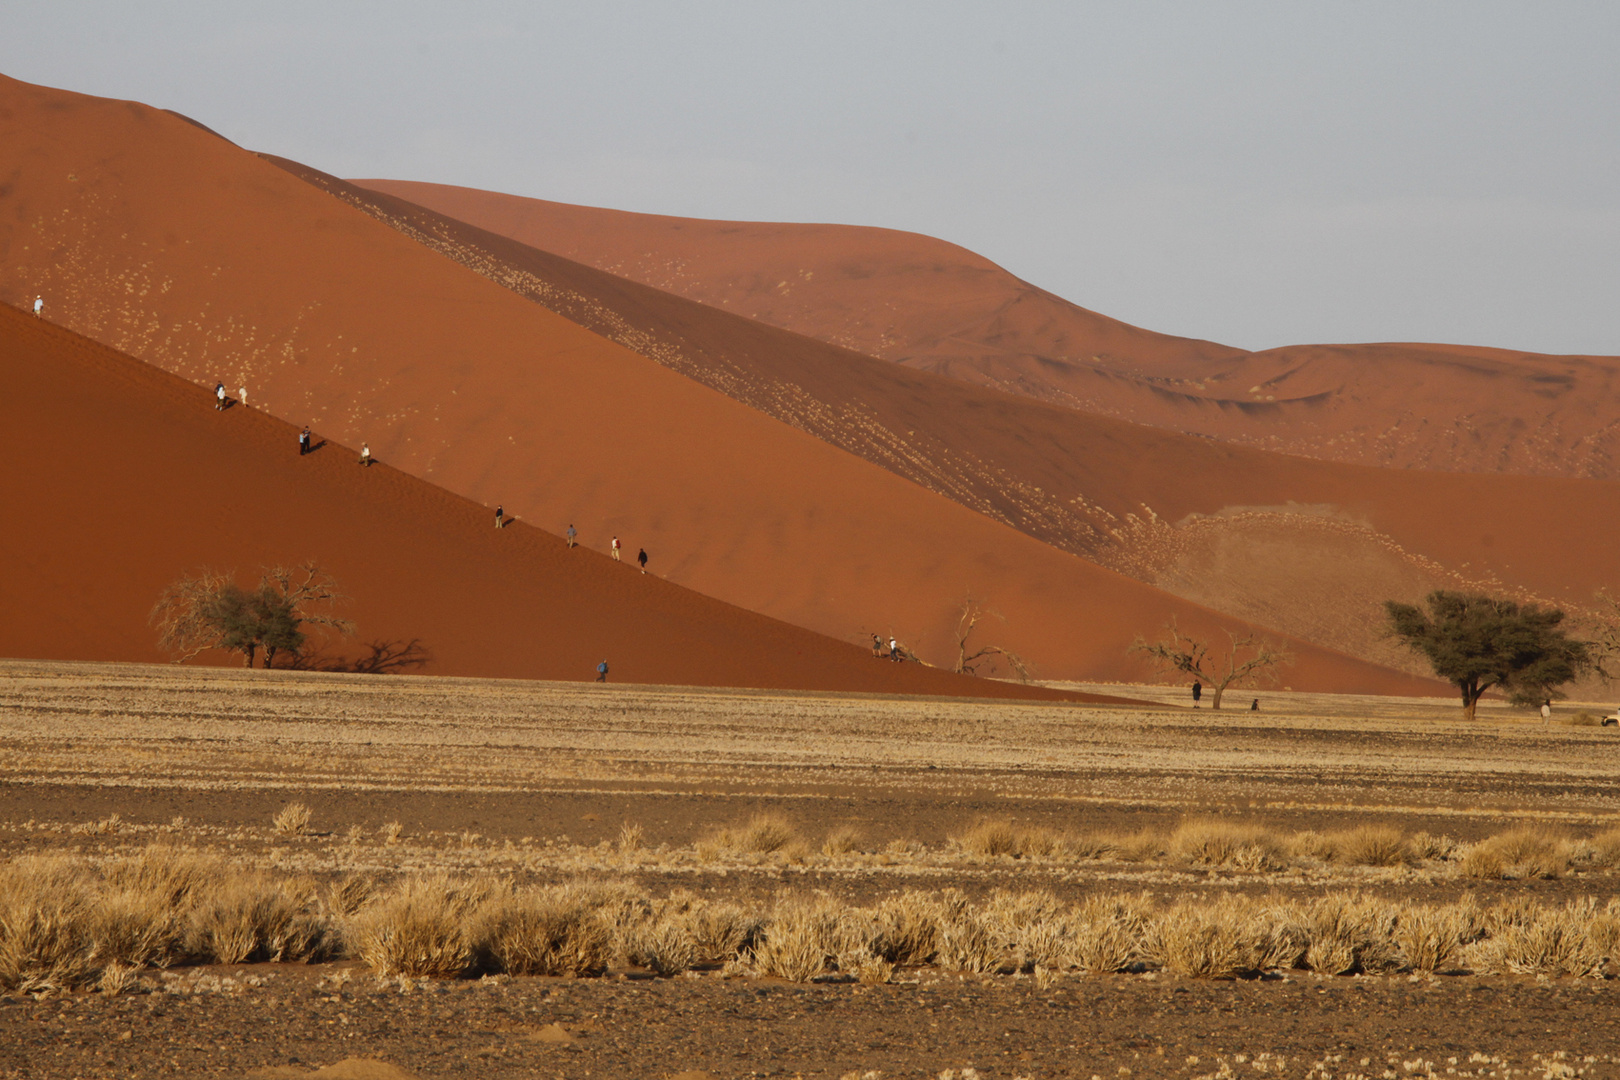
(762, 834)
(291, 820)
(1213, 842)
(1525, 852)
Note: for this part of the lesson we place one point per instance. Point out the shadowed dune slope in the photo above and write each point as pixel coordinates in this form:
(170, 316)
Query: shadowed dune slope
(148, 234)
(132, 479)
(932, 305)
(1309, 546)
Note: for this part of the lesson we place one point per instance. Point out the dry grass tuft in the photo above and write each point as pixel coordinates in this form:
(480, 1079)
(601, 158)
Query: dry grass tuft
(416, 930)
(1525, 852)
(292, 820)
(1231, 938)
(762, 834)
(844, 840)
(989, 839)
(1213, 842)
(630, 837)
(1371, 845)
(1551, 941)
(548, 931)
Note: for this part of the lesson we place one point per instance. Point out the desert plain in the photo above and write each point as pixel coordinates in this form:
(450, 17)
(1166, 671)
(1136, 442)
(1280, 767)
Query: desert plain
(667, 803)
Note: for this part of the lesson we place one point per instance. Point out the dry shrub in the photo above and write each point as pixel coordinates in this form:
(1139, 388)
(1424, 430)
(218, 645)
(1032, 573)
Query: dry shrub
(1106, 935)
(990, 838)
(801, 938)
(906, 929)
(1371, 845)
(844, 840)
(45, 936)
(1583, 719)
(721, 931)
(1605, 848)
(1428, 846)
(630, 837)
(292, 820)
(1213, 842)
(249, 917)
(418, 929)
(1553, 941)
(1233, 937)
(1142, 846)
(762, 834)
(1525, 852)
(543, 931)
(1349, 934)
(349, 895)
(1431, 938)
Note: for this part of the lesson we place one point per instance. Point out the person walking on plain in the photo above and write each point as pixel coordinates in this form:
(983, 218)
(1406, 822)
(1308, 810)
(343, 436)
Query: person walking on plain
(573, 537)
(615, 549)
(1198, 692)
(303, 441)
(642, 559)
(601, 671)
(365, 454)
(39, 305)
(1546, 711)
(219, 396)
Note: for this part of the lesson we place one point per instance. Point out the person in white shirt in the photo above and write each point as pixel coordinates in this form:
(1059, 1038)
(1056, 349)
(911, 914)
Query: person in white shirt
(365, 454)
(219, 396)
(615, 549)
(39, 303)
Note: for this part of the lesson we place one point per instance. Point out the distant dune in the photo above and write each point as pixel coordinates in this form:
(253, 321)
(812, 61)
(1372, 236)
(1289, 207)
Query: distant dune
(1309, 547)
(932, 305)
(135, 480)
(149, 234)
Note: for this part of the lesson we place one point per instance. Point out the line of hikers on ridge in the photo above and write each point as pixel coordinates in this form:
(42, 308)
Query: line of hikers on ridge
(306, 446)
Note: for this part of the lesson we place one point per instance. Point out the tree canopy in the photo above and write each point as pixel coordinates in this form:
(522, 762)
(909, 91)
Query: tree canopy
(1479, 643)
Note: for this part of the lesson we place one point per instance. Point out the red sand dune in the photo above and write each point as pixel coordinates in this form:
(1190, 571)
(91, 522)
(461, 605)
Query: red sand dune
(932, 305)
(132, 480)
(149, 234)
(1309, 547)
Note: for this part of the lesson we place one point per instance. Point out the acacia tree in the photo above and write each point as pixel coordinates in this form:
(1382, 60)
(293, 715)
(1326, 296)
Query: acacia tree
(210, 611)
(967, 662)
(1247, 661)
(1477, 643)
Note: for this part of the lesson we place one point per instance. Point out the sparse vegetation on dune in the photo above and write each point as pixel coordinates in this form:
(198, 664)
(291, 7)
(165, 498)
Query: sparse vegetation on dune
(67, 923)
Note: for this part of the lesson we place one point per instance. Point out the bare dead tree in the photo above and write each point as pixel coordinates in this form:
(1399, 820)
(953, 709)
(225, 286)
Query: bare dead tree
(312, 592)
(970, 614)
(181, 615)
(1248, 661)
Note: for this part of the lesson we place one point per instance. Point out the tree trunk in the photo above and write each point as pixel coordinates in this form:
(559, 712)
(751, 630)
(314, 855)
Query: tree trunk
(1470, 698)
(1215, 696)
(248, 651)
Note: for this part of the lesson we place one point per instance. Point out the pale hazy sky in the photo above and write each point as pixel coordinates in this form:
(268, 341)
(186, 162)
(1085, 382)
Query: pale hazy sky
(1256, 173)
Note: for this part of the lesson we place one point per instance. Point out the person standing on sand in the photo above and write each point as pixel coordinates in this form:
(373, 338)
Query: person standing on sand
(241, 395)
(573, 537)
(894, 649)
(615, 549)
(1254, 706)
(642, 559)
(39, 305)
(219, 396)
(1198, 692)
(877, 647)
(1546, 711)
(601, 672)
(500, 516)
(303, 441)
(365, 453)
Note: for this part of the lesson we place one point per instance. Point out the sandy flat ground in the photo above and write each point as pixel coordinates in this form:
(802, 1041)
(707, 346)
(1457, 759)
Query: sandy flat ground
(538, 779)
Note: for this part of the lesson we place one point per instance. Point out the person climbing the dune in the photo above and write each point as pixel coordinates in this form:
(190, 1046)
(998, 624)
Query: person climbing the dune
(601, 671)
(573, 537)
(303, 441)
(365, 454)
(241, 395)
(877, 647)
(219, 396)
(642, 559)
(39, 305)
(615, 549)
(500, 516)
(894, 649)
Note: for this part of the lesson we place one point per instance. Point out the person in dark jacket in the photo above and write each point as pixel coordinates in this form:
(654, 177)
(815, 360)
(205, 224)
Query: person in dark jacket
(601, 671)
(1198, 692)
